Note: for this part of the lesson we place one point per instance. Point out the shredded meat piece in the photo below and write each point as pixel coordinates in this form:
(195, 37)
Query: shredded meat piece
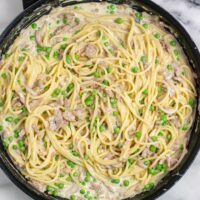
(168, 75)
(56, 121)
(22, 133)
(69, 116)
(6, 133)
(68, 16)
(38, 38)
(165, 46)
(90, 50)
(96, 187)
(171, 161)
(34, 104)
(38, 132)
(38, 185)
(175, 121)
(21, 97)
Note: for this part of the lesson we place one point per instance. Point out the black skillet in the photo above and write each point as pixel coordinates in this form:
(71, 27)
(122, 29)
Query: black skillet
(35, 9)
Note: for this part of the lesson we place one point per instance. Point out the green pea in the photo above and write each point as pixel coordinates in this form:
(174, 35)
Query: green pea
(164, 119)
(87, 179)
(16, 133)
(149, 187)
(145, 92)
(21, 143)
(14, 146)
(126, 183)
(16, 120)
(2, 102)
(115, 181)
(176, 52)
(119, 20)
(34, 25)
(154, 138)
(50, 189)
(116, 130)
(32, 37)
(4, 75)
(191, 102)
(115, 113)
(138, 16)
(106, 44)
(102, 128)
(157, 36)
(65, 39)
(55, 193)
(71, 164)
(89, 101)
(56, 55)
(135, 69)
(56, 92)
(173, 43)
(185, 127)
(153, 148)
(146, 26)
(75, 174)
(60, 185)
(82, 191)
(147, 162)
(1, 128)
(65, 21)
(109, 70)
(138, 134)
(106, 82)
(70, 87)
(9, 119)
(76, 56)
(143, 59)
(130, 161)
(77, 20)
(152, 108)
(83, 183)
(160, 134)
(68, 59)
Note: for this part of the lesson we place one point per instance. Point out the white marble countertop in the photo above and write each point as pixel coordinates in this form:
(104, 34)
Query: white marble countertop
(189, 14)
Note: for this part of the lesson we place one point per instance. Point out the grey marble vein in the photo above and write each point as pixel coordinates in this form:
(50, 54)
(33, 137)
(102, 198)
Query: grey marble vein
(188, 13)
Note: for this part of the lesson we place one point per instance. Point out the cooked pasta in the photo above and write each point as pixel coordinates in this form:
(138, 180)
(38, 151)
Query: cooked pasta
(97, 102)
